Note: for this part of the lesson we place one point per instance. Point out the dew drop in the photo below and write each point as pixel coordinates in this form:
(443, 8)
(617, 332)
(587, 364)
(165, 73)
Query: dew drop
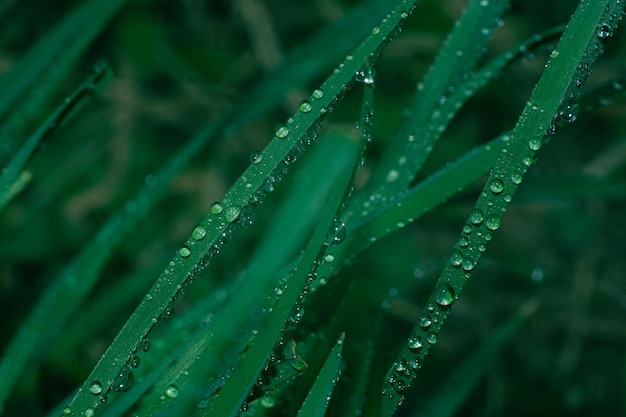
(231, 213)
(95, 388)
(317, 94)
(198, 233)
(134, 361)
(376, 30)
(432, 338)
(444, 294)
(415, 363)
(256, 157)
(184, 252)
(467, 264)
(305, 106)
(171, 391)
(282, 131)
(124, 380)
(90, 412)
(516, 178)
(392, 175)
(415, 342)
(67, 411)
(603, 32)
(476, 216)
(493, 222)
(424, 322)
(456, 258)
(463, 242)
(535, 144)
(496, 186)
(216, 208)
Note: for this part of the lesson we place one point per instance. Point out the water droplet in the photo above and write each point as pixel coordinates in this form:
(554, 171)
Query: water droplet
(184, 252)
(376, 30)
(493, 222)
(216, 208)
(145, 345)
(476, 216)
(124, 380)
(415, 342)
(496, 186)
(431, 338)
(95, 388)
(282, 131)
(456, 258)
(537, 275)
(444, 294)
(317, 94)
(467, 264)
(392, 175)
(336, 235)
(603, 32)
(171, 391)
(67, 411)
(424, 322)
(535, 144)
(415, 363)
(268, 402)
(198, 233)
(134, 361)
(529, 161)
(516, 178)
(463, 242)
(256, 157)
(365, 75)
(231, 213)
(305, 106)
(90, 412)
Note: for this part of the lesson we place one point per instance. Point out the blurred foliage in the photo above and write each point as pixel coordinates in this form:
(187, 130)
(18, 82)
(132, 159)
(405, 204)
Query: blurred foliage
(181, 63)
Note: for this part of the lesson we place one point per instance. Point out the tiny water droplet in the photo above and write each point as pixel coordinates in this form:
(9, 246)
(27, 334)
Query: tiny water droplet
(493, 222)
(198, 233)
(392, 175)
(476, 216)
(317, 94)
(535, 144)
(305, 106)
(256, 157)
(431, 338)
(231, 213)
(216, 208)
(603, 32)
(444, 294)
(67, 411)
(184, 252)
(375, 30)
(456, 258)
(95, 388)
(171, 391)
(415, 342)
(496, 186)
(282, 131)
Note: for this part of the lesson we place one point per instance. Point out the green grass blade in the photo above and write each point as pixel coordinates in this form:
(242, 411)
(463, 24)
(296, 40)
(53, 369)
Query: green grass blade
(38, 75)
(59, 117)
(558, 86)
(232, 395)
(470, 34)
(317, 400)
(459, 385)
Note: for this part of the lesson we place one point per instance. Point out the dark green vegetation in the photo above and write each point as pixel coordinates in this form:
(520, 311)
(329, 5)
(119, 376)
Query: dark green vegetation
(250, 208)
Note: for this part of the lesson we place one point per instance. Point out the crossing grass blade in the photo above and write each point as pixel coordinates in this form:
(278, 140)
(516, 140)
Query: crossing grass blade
(558, 87)
(321, 392)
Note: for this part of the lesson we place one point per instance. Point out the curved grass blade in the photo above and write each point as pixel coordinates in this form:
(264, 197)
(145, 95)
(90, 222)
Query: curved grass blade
(60, 116)
(455, 60)
(317, 400)
(458, 386)
(557, 88)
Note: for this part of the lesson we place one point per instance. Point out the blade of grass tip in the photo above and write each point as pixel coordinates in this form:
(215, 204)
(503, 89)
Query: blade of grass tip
(330, 159)
(60, 116)
(319, 396)
(224, 218)
(458, 386)
(231, 396)
(455, 60)
(39, 72)
(558, 87)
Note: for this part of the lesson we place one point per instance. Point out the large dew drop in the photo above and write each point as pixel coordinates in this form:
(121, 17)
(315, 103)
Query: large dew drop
(198, 233)
(476, 217)
(444, 294)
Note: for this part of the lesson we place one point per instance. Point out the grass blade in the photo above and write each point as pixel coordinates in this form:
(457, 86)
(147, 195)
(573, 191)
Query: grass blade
(59, 117)
(560, 82)
(317, 400)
